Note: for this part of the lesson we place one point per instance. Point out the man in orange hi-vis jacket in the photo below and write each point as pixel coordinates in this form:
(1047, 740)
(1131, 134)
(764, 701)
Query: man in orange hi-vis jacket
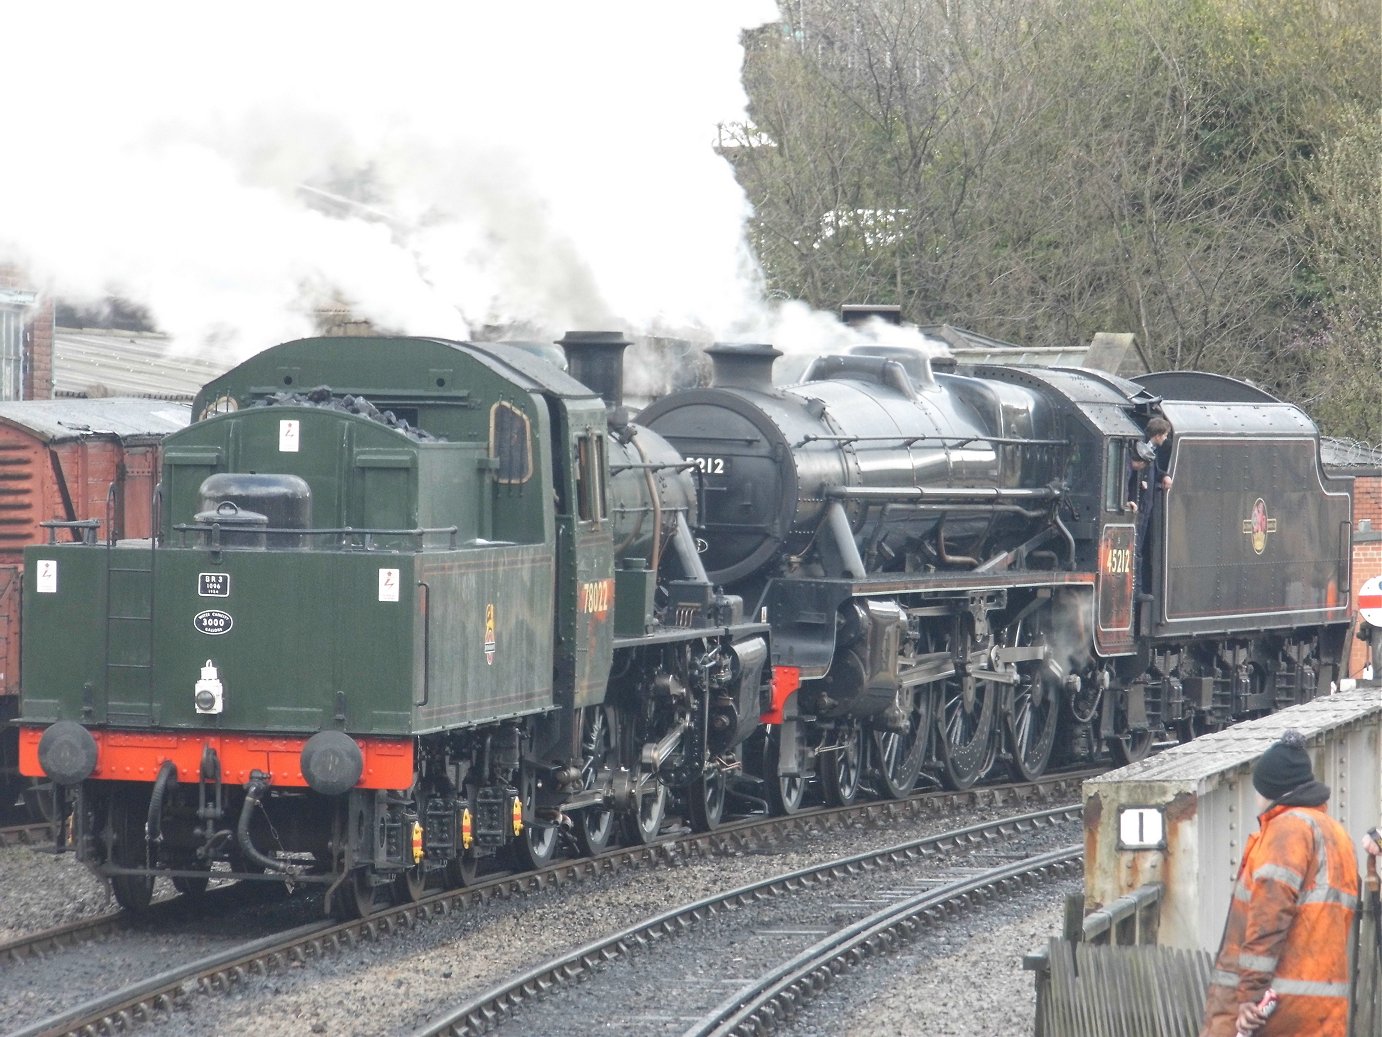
(1291, 919)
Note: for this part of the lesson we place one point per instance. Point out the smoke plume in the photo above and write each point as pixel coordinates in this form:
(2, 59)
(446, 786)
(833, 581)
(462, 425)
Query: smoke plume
(435, 167)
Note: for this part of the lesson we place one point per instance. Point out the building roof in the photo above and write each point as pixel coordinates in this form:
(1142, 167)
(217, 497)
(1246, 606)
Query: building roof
(121, 416)
(89, 362)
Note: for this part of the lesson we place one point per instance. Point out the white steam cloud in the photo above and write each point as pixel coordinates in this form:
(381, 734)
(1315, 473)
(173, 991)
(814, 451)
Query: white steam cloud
(434, 166)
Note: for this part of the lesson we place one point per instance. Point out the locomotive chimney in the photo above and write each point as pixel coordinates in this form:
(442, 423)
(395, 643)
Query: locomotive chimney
(742, 365)
(596, 359)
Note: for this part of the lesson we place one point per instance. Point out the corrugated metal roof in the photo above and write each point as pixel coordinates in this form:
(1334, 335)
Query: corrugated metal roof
(1044, 356)
(56, 420)
(118, 363)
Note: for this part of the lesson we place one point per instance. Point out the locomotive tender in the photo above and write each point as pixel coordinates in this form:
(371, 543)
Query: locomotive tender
(412, 603)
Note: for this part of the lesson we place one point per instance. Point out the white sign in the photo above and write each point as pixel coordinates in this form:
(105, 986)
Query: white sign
(1140, 828)
(1370, 601)
(388, 584)
(47, 577)
(288, 436)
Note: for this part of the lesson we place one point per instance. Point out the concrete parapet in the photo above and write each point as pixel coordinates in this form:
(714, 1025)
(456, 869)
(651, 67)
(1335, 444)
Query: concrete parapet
(1181, 818)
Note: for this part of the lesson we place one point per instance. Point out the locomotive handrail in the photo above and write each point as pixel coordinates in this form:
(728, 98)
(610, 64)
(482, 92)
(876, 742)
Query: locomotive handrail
(343, 532)
(908, 441)
(652, 466)
(963, 493)
(426, 642)
(53, 525)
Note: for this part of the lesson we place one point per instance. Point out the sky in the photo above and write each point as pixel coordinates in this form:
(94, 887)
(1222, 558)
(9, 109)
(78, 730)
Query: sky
(437, 166)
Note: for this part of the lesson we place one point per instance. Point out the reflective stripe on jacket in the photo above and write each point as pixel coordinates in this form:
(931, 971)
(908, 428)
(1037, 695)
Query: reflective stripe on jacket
(1290, 927)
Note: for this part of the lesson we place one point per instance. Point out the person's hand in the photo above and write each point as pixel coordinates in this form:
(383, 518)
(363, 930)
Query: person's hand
(1131, 505)
(1250, 1017)
(1372, 844)
(1165, 482)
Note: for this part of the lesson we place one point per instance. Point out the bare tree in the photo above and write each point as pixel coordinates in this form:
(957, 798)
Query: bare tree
(1044, 169)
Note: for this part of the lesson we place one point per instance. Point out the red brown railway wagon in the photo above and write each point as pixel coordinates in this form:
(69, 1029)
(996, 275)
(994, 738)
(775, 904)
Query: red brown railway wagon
(70, 460)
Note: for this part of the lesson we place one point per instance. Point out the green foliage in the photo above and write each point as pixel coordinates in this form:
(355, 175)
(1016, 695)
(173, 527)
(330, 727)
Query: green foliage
(1338, 227)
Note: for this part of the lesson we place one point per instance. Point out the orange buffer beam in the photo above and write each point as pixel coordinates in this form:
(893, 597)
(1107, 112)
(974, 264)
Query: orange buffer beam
(137, 756)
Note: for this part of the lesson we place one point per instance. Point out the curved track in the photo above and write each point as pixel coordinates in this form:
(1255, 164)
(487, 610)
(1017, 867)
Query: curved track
(762, 997)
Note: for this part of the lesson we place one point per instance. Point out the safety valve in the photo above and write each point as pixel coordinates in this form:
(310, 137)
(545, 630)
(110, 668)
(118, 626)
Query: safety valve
(208, 695)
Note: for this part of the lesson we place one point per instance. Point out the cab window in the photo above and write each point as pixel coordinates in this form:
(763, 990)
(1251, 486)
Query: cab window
(509, 435)
(1115, 475)
(590, 483)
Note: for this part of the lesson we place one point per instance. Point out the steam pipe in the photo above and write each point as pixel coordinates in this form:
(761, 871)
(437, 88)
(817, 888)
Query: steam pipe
(253, 792)
(1069, 539)
(841, 536)
(153, 825)
(684, 546)
(656, 499)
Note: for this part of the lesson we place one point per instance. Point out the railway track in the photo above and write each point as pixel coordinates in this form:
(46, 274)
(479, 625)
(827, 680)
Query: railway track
(776, 995)
(118, 1011)
(773, 995)
(30, 834)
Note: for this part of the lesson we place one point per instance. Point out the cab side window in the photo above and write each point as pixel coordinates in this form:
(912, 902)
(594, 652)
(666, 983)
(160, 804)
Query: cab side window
(1115, 475)
(590, 482)
(509, 436)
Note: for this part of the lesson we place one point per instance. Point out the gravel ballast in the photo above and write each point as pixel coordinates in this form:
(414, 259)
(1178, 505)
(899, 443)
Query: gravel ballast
(395, 984)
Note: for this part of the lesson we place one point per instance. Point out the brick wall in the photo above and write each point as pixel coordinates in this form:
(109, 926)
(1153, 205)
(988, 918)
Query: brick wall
(38, 352)
(1367, 553)
(38, 337)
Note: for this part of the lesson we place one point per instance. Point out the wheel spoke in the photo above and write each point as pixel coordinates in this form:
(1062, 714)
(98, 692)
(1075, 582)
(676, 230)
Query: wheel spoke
(898, 755)
(706, 800)
(968, 732)
(643, 824)
(594, 826)
(785, 792)
(839, 770)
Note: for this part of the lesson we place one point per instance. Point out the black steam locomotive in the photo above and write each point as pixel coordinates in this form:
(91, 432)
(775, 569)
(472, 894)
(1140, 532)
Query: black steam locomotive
(413, 604)
(947, 559)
